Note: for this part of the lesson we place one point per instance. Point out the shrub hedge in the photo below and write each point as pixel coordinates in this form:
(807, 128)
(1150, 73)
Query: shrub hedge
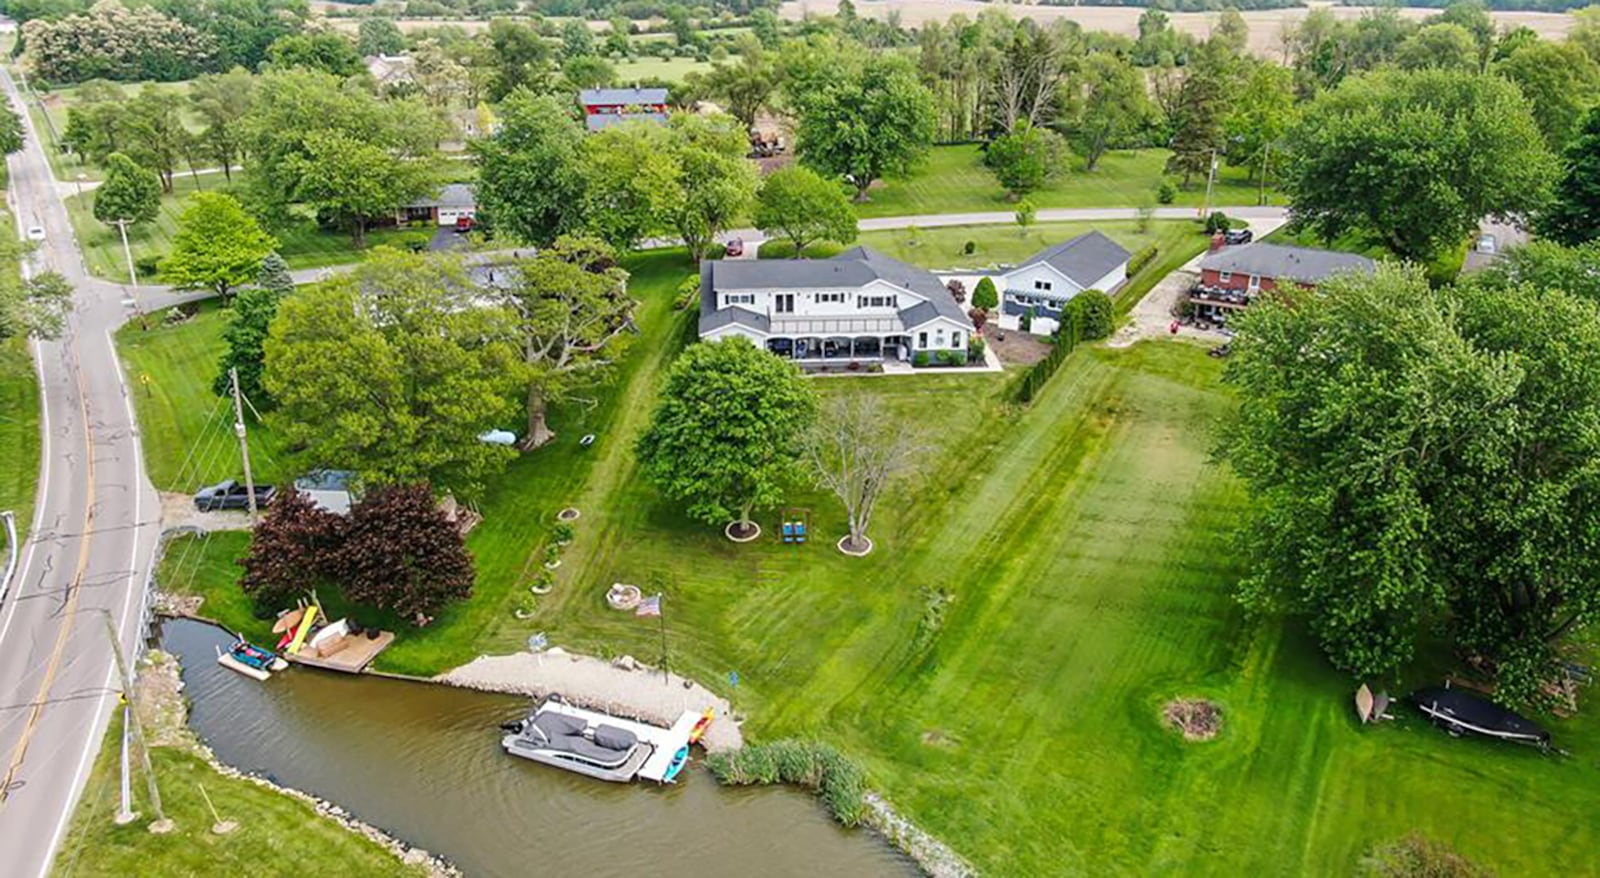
(1144, 257)
(1066, 339)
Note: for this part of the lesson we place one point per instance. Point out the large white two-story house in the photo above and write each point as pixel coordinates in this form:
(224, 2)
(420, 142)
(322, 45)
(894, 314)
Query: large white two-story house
(858, 306)
(1050, 278)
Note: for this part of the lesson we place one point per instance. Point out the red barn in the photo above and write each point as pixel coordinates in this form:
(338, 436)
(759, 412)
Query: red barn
(604, 107)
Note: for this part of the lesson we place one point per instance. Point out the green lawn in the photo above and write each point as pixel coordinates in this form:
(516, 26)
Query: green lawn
(187, 430)
(19, 416)
(277, 835)
(669, 69)
(19, 433)
(1082, 544)
(953, 179)
(303, 245)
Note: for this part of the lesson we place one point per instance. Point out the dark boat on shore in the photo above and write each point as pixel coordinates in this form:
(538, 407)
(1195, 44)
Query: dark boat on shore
(1460, 712)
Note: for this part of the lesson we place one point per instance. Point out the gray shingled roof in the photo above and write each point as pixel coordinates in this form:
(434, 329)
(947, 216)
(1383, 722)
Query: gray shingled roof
(855, 267)
(455, 195)
(1084, 259)
(601, 121)
(1305, 264)
(624, 97)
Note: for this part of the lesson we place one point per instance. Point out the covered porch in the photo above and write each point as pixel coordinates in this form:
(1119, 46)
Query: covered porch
(841, 348)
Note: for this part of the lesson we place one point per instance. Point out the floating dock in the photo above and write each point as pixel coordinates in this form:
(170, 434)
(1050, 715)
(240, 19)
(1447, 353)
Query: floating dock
(664, 743)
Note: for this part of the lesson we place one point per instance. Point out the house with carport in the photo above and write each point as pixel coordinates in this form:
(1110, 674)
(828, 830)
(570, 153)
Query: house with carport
(857, 308)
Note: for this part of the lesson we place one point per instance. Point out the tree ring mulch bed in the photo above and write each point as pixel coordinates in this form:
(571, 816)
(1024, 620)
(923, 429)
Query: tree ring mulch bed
(733, 532)
(1196, 718)
(855, 551)
(570, 513)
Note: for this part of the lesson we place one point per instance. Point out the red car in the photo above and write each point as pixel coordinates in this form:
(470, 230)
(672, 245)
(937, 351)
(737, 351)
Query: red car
(463, 224)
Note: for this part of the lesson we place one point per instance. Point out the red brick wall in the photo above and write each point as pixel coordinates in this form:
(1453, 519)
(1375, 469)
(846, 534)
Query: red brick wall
(1212, 278)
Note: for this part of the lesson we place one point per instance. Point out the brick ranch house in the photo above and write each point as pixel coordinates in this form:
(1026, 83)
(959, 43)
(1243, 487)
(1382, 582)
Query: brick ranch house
(1232, 277)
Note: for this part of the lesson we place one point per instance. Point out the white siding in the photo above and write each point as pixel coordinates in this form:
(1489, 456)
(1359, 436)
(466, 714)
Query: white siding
(1025, 280)
(840, 302)
(1113, 279)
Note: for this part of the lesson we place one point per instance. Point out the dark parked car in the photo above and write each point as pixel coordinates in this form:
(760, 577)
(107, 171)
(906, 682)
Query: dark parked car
(1238, 236)
(1221, 350)
(232, 495)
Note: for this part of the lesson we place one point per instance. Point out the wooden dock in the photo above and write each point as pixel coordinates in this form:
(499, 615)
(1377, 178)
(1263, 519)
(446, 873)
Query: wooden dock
(353, 659)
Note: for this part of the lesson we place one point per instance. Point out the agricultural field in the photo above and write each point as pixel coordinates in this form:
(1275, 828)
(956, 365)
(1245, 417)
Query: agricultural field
(1045, 581)
(953, 179)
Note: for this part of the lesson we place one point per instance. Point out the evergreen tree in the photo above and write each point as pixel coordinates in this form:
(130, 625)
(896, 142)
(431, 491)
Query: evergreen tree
(1573, 216)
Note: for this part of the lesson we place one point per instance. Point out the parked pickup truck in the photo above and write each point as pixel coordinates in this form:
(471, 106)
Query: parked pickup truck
(232, 495)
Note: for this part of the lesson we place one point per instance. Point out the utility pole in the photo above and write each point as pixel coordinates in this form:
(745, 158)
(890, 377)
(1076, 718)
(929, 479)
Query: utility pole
(244, 444)
(1210, 178)
(125, 813)
(161, 824)
(133, 276)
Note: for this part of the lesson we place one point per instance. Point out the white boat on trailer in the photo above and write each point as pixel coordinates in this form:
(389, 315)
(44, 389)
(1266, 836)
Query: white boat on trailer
(599, 745)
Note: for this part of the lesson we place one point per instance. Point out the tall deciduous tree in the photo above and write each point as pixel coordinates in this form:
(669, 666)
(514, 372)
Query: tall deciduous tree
(1434, 456)
(1442, 46)
(10, 131)
(530, 172)
(573, 308)
(403, 554)
(866, 124)
(804, 208)
(858, 458)
(244, 348)
(223, 101)
(1415, 159)
(716, 181)
(1573, 215)
(218, 246)
(744, 86)
(36, 306)
(394, 370)
(1261, 117)
(129, 193)
(1561, 84)
(378, 35)
(1110, 107)
(354, 181)
(1027, 158)
(153, 133)
(328, 51)
(633, 182)
(726, 435)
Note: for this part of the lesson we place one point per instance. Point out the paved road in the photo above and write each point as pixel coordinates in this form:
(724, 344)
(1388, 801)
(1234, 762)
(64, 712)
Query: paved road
(90, 546)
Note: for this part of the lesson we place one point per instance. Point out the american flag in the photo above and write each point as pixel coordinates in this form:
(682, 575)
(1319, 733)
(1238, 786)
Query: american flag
(650, 606)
